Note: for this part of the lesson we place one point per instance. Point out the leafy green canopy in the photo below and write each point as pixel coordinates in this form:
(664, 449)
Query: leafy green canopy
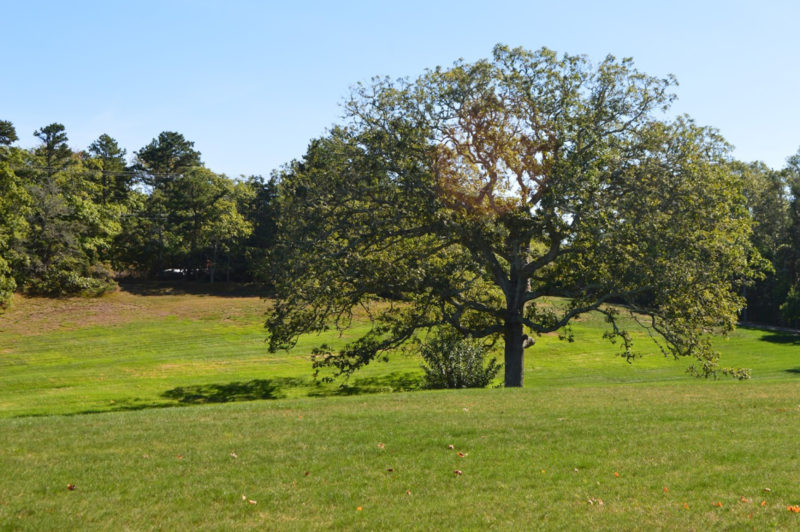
(790, 308)
(68, 233)
(13, 204)
(772, 199)
(471, 194)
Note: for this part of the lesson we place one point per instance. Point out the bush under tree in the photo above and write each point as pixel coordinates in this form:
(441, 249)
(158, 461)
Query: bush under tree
(451, 361)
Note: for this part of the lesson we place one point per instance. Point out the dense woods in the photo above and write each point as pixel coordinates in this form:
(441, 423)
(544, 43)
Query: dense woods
(773, 199)
(74, 221)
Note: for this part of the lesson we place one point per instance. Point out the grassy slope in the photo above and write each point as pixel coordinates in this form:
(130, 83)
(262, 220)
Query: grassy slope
(126, 350)
(583, 409)
(129, 351)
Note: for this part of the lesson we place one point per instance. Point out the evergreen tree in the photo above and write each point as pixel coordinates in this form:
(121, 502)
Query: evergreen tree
(113, 177)
(53, 153)
(165, 157)
(69, 234)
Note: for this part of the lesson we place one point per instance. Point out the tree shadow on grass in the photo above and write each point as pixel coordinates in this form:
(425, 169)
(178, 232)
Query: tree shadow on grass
(254, 390)
(121, 406)
(394, 382)
(262, 389)
(784, 338)
(793, 370)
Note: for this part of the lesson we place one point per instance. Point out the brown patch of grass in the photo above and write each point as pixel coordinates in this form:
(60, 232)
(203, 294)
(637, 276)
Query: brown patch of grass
(29, 316)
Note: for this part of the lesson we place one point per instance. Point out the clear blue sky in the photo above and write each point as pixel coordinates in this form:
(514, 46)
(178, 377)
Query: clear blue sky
(252, 82)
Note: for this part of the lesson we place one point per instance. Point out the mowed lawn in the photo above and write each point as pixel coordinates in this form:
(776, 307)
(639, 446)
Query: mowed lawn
(147, 346)
(592, 441)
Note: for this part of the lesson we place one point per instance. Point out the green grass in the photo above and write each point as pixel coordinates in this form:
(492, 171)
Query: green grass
(534, 458)
(130, 351)
(541, 457)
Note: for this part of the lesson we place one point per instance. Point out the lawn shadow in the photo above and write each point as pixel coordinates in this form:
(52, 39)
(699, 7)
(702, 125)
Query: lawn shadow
(394, 382)
(196, 288)
(262, 389)
(253, 390)
(122, 406)
(793, 370)
(785, 338)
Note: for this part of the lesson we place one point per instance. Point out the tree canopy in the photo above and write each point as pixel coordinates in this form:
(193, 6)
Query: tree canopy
(471, 196)
(772, 199)
(112, 176)
(13, 206)
(8, 134)
(166, 157)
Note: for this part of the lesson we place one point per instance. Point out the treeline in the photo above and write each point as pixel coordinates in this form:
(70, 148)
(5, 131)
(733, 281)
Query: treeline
(773, 198)
(74, 221)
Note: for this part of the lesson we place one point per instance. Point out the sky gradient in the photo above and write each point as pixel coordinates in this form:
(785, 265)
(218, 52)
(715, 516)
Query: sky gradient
(252, 82)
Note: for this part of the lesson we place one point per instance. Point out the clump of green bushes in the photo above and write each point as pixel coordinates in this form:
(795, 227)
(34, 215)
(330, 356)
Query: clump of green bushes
(450, 361)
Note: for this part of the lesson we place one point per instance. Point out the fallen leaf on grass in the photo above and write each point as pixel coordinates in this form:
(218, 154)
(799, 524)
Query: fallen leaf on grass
(251, 501)
(767, 490)
(358, 509)
(307, 473)
(666, 489)
(458, 472)
(763, 503)
(244, 498)
(686, 506)
(234, 455)
(718, 504)
(616, 474)
(381, 446)
(451, 446)
(462, 455)
(408, 492)
(71, 487)
(795, 509)
(743, 499)
(180, 457)
(598, 502)
(390, 470)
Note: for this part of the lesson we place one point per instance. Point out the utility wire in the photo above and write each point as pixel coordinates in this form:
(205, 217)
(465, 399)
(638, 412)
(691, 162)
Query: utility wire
(135, 173)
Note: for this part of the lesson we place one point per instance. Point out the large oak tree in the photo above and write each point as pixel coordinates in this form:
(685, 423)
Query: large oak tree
(474, 194)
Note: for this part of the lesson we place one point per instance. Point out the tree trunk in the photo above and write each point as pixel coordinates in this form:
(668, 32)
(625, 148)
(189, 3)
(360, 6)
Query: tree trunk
(213, 263)
(514, 353)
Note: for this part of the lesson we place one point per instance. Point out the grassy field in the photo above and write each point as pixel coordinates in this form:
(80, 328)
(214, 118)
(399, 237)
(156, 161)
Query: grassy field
(591, 441)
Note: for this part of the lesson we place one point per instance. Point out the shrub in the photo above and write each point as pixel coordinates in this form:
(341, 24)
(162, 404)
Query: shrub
(56, 282)
(454, 362)
(790, 309)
